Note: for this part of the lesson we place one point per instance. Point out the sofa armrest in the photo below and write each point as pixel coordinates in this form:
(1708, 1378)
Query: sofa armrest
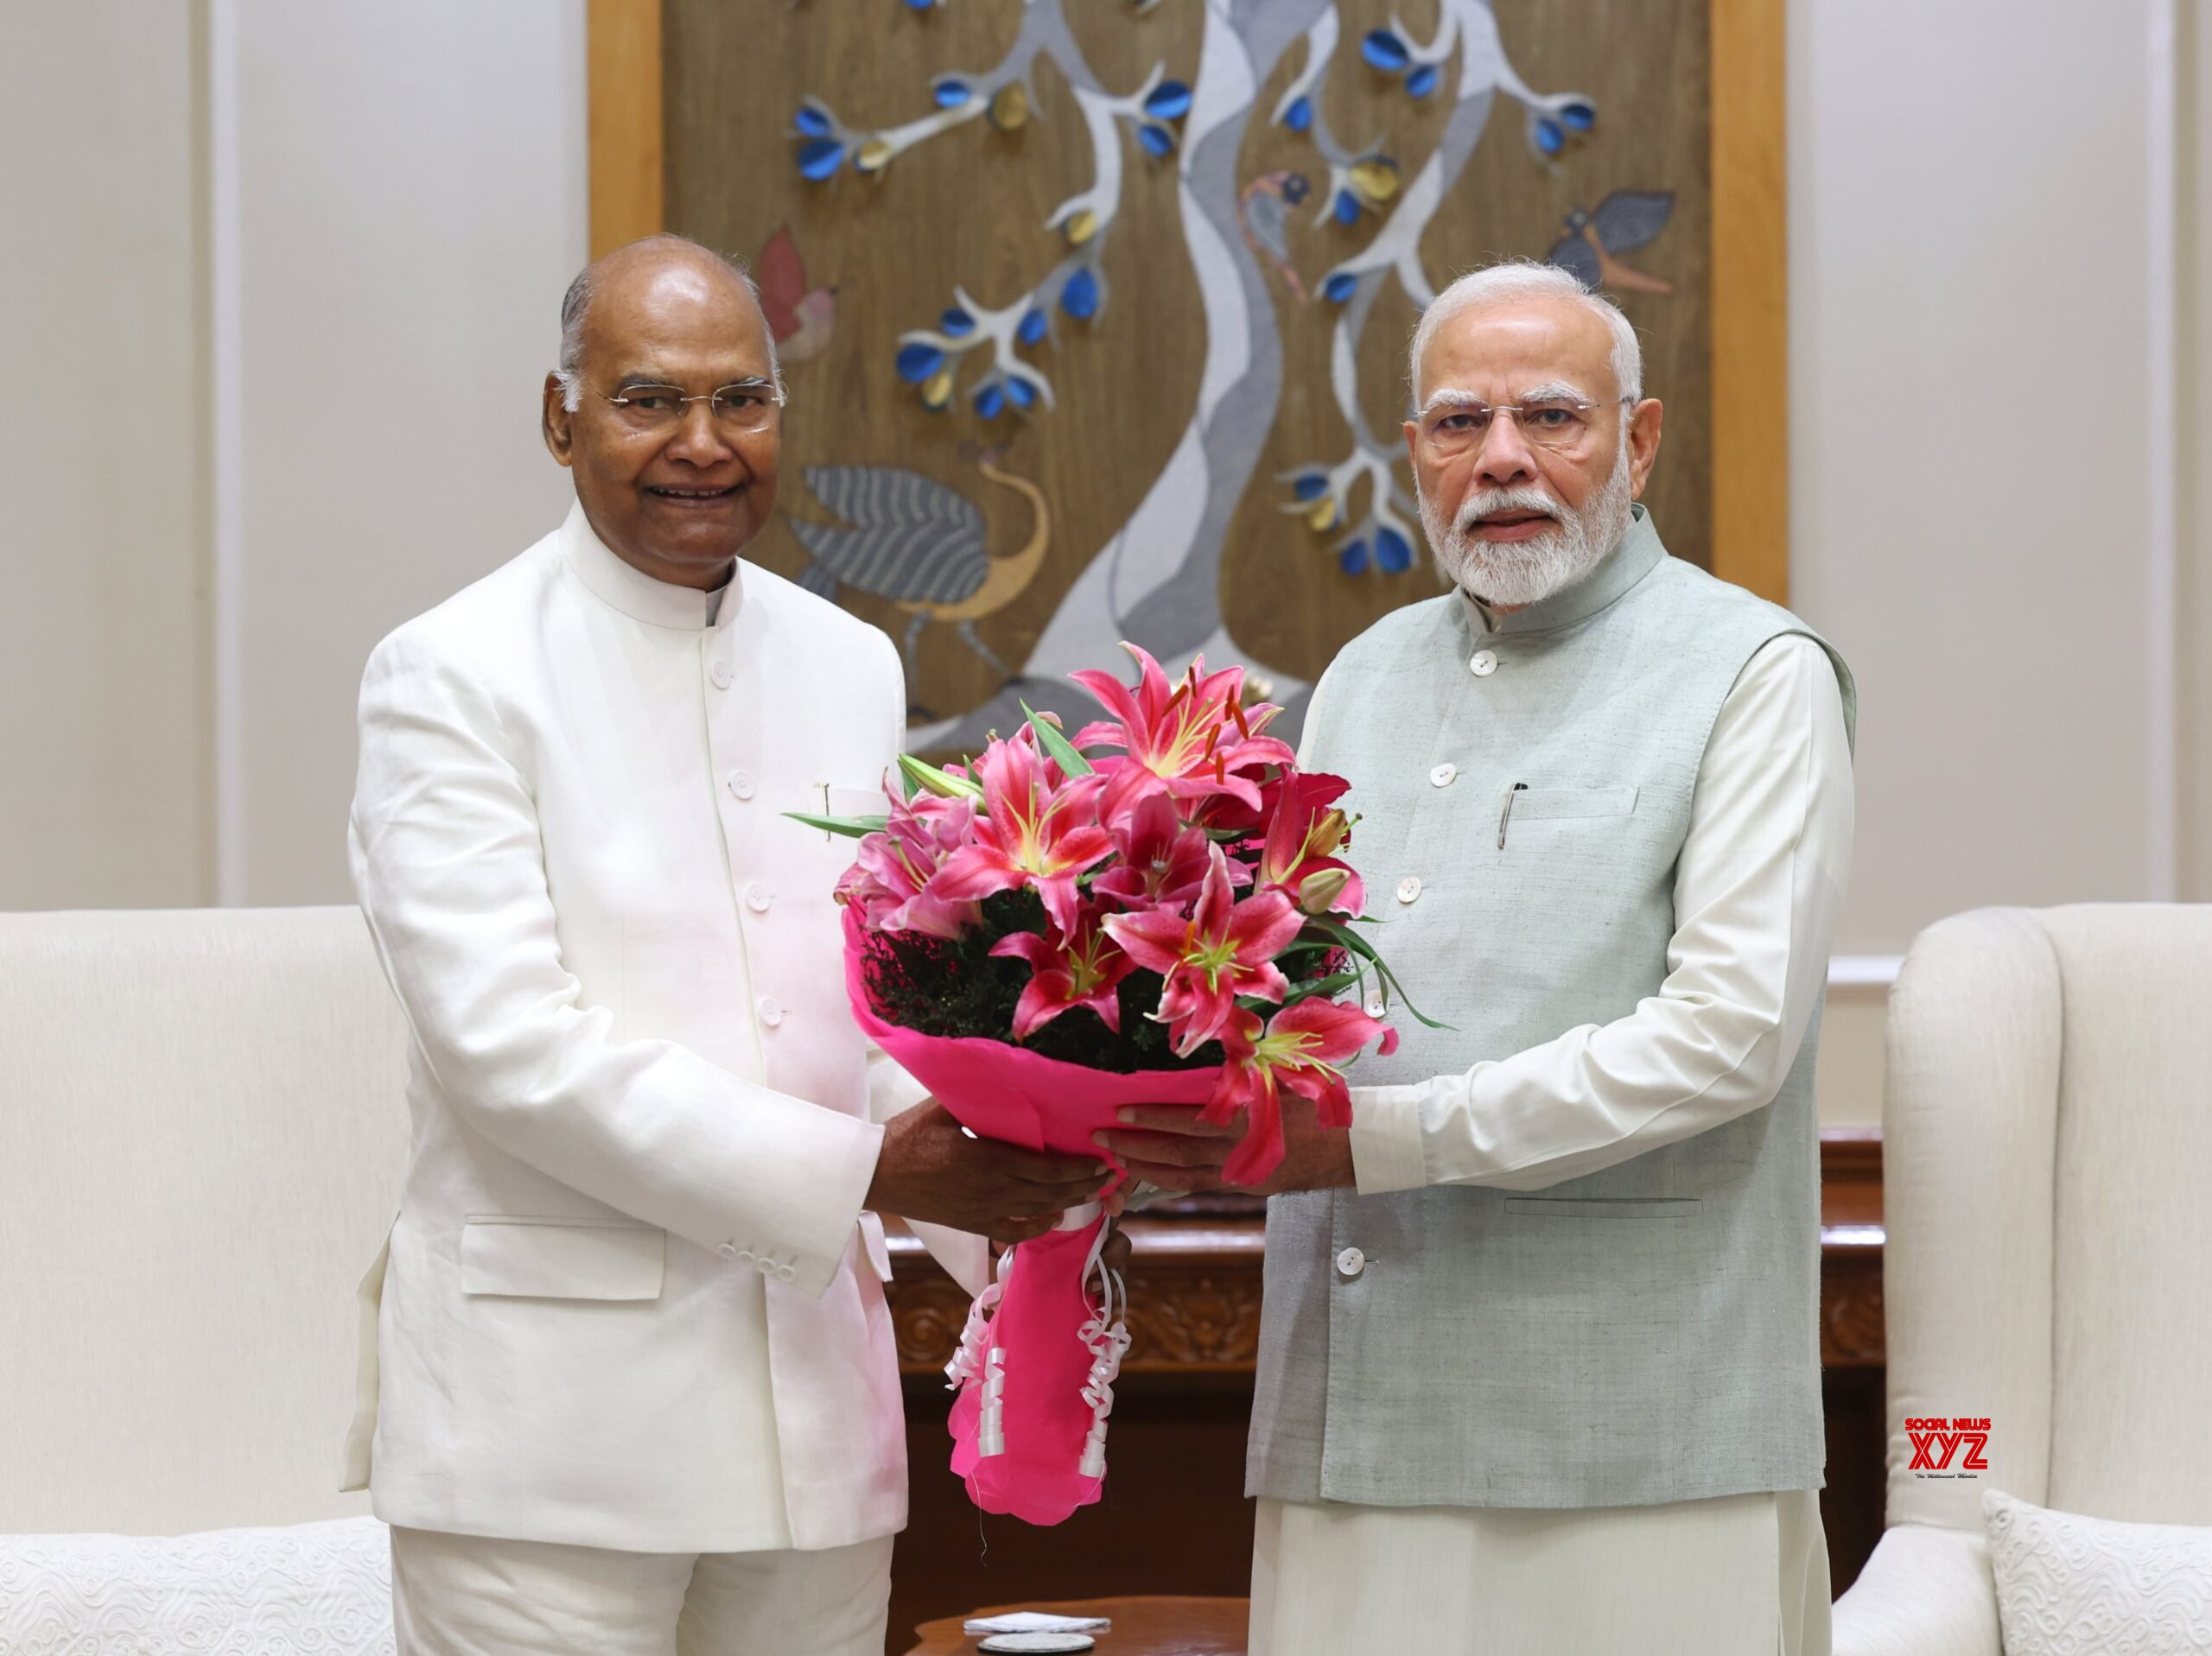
(1925, 1592)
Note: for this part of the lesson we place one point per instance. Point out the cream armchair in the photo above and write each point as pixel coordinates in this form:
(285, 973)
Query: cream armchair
(203, 1123)
(2048, 1173)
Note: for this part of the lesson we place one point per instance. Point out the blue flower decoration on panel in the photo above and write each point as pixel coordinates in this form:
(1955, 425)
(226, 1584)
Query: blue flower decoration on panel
(990, 399)
(1033, 327)
(1311, 485)
(1170, 101)
(917, 362)
(1421, 81)
(1393, 556)
(956, 322)
(812, 122)
(1353, 557)
(1347, 207)
(1578, 117)
(1550, 138)
(1079, 298)
(1300, 115)
(1340, 287)
(1386, 52)
(1021, 392)
(951, 93)
(820, 158)
(1158, 141)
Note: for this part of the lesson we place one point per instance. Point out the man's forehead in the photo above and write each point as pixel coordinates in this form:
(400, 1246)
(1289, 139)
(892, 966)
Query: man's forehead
(675, 310)
(1526, 342)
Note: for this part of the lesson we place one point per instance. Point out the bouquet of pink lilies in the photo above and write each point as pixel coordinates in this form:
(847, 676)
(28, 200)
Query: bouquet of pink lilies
(1153, 912)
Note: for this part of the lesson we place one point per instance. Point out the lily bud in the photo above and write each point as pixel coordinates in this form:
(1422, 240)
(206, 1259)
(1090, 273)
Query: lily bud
(1329, 831)
(1317, 891)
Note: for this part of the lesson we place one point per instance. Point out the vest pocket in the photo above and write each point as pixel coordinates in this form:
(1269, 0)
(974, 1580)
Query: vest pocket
(1563, 804)
(561, 1258)
(1603, 1207)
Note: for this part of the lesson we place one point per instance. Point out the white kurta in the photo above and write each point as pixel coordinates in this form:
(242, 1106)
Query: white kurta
(1760, 878)
(632, 1301)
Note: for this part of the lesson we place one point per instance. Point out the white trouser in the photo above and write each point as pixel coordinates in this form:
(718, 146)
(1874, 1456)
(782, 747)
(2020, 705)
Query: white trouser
(471, 1595)
(1735, 1575)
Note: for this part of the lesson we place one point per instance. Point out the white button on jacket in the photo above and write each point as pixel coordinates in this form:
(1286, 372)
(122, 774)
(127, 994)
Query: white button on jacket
(572, 1345)
(1350, 1262)
(1483, 663)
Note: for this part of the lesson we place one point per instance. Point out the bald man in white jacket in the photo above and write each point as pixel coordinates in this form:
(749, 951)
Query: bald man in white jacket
(630, 1384)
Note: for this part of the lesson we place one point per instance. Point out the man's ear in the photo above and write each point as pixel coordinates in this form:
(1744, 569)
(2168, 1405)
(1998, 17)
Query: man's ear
(553, 421)
(1643, 422)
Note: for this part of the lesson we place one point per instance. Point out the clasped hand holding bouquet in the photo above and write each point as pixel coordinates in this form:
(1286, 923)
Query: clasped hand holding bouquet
(1153, 914)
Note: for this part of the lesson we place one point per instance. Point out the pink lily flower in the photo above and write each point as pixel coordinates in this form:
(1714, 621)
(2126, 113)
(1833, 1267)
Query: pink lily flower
(1160, 863)
(1302, 1049)
(891, 880)
(1036, 828)
(1225, 949)
(1080, 969)
(1298, 856)
(1187, 742)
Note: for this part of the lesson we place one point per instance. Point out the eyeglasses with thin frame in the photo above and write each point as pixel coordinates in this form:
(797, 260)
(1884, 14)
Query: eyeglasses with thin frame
(743, 405)
(1453, 425)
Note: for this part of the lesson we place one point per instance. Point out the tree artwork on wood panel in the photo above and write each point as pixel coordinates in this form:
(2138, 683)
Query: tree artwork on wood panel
(1095, 314)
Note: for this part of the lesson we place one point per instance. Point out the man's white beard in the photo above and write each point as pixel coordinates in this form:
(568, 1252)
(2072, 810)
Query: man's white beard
(1526, 572)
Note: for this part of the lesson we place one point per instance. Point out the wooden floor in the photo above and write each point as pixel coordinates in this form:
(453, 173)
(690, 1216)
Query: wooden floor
(1174, 1519)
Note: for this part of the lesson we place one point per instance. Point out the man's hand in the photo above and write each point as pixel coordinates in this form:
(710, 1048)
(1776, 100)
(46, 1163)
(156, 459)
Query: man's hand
(1169, 1146)
(931, 1170)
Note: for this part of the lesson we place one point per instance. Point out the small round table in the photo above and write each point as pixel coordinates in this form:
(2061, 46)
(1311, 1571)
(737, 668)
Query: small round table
(1142, 1626)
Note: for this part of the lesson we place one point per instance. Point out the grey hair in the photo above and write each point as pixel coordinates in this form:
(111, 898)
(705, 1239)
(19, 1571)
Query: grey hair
(576, 302)
(1512, 279)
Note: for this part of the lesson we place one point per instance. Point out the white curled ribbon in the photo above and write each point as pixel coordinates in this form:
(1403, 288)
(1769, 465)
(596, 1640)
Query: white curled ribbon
(978, 1359)
(1106, 1335)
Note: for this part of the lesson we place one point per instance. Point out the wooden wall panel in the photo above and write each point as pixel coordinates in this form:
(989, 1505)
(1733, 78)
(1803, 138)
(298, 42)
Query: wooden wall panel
(1076, 512)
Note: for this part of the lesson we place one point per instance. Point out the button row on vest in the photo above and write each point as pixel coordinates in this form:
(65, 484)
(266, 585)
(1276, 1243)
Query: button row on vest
(758, 898)
(1408, 888)
(1483, 663)
(720, 673)
(771, 1010)
(740, 784)
(1375, 1003)
(1442, 776)
(1351, 1263)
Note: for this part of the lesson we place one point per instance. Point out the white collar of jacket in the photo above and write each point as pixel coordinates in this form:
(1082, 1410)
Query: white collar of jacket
(637, 594)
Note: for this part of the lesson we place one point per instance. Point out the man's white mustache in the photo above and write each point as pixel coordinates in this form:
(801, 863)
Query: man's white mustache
(1489, 502)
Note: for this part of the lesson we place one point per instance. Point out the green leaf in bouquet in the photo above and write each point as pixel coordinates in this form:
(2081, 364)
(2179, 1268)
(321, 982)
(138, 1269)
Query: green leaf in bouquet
(1338, 932)
(941, 782)
(1063, 753)
(853, 828)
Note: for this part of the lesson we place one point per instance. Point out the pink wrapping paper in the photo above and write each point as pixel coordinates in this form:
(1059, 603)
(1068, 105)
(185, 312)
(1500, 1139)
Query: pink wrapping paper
(1010, 1094)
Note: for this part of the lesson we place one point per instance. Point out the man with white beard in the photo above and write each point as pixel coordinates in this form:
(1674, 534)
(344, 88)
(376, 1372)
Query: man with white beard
(1539, 1364)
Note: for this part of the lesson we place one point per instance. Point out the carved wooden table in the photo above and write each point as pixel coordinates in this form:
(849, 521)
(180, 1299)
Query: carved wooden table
(1142, 1626)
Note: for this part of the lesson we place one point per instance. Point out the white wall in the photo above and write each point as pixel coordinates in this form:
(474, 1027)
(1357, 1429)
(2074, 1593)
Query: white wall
(1972, 231)
(411, 182)
(103, 748)
(306, 263)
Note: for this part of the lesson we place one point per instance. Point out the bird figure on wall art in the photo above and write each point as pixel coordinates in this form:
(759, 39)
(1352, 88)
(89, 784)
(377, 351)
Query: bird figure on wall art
(801, 318)
(924, 547)
(1263, 208)
(1625, 220)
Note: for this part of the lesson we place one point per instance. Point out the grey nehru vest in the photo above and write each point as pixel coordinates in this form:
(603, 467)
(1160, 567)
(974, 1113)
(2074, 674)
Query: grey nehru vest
(1643, 1334)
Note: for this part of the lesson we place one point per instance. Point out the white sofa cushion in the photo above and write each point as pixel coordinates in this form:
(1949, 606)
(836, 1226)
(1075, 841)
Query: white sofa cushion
(318, 1589)
(2068, 1586)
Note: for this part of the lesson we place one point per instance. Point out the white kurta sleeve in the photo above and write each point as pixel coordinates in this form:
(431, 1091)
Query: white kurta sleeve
(1761, 875)
(445, 846)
